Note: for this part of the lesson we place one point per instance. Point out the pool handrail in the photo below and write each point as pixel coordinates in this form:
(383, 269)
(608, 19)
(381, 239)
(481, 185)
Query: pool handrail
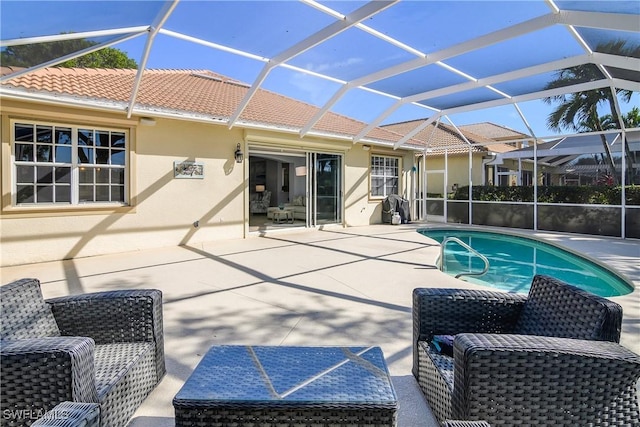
(467, 247)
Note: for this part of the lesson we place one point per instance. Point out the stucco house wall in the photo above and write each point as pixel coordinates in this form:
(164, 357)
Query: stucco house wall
(458, 171)
(163, 209)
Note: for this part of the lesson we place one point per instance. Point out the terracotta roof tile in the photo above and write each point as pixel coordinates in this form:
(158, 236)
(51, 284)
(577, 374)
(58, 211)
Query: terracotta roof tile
(493, 131)
(446, 136)
(192, 91)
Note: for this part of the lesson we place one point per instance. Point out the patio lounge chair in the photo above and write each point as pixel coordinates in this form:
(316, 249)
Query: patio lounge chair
(551, 358)
(91, 357)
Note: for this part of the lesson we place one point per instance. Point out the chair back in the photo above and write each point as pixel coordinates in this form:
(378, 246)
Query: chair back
(557, 309)
(266, 198)
(25, 314)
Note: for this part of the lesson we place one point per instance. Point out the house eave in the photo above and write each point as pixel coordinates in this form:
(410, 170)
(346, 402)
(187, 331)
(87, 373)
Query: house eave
(104, 105)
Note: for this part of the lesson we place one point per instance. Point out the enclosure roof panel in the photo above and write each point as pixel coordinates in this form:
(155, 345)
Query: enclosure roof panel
(377, 62)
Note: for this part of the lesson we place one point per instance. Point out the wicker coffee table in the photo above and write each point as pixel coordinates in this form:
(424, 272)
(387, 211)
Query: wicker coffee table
(282, 386)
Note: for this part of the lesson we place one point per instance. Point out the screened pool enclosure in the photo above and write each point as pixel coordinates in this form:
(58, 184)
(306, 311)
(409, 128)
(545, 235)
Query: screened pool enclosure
(384, 62)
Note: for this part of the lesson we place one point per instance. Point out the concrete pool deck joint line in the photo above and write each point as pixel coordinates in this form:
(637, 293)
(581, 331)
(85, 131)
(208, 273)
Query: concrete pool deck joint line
(336, 286)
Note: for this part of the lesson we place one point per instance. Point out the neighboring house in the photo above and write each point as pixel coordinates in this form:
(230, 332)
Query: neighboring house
(456, 152)
(503, 174)
(81, 177)
(498, 133)
(578, 160)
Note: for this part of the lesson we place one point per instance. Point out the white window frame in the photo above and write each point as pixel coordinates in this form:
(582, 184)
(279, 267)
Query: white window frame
(384, 175)
(75, 165)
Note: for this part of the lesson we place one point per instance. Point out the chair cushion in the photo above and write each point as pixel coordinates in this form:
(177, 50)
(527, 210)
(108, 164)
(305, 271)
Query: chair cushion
(25, 314)
(556, 309)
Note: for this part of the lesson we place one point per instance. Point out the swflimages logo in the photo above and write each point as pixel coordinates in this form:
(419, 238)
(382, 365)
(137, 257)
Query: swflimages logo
(34, 414)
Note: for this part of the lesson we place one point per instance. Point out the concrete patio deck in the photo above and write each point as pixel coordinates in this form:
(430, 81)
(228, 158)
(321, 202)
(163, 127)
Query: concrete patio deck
(338, 286)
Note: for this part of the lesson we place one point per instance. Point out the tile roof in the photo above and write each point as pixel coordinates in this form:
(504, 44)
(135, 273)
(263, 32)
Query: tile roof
(199, 92)
(493, 131)
(445, 136)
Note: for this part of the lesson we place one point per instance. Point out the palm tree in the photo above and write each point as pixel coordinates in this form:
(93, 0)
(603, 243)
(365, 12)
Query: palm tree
(579, 111)
(608, 122)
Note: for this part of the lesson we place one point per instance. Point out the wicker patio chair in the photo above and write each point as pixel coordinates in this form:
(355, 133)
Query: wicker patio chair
(104, 348)
(549, 358)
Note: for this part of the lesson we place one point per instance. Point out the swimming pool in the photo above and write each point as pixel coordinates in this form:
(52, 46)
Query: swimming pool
(514, 260)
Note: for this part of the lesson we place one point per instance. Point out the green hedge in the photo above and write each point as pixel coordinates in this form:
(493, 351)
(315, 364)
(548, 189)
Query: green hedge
(597, 195)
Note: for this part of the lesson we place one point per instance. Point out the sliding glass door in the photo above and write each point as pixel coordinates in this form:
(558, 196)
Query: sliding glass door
(325, 188)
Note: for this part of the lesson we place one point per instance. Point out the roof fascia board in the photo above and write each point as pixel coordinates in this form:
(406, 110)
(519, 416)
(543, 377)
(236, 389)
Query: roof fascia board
(369, 9)
(153, 31)
(522, 28)
(72, 36)
(601, 20)
(71, 56)
(64, 101)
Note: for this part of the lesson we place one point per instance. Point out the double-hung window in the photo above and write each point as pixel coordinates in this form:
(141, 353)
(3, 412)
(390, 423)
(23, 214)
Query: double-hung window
(59, 164)
(384, 176)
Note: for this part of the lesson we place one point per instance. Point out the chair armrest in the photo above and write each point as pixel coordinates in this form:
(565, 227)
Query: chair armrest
(524, 377)
(453, 311)
(39, 373)
(71, 414)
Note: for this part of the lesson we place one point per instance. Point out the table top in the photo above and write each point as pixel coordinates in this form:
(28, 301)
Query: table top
(290, 375)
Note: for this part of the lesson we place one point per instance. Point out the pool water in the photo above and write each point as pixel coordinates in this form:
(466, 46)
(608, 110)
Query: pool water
(514, 260)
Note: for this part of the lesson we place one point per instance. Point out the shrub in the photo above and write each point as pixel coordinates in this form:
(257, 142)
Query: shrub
(584, 194)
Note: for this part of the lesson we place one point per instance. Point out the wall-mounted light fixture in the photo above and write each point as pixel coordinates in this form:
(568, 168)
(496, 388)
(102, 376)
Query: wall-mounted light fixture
(366, 147)
(147, 121)
(301, 171)
(238, 155)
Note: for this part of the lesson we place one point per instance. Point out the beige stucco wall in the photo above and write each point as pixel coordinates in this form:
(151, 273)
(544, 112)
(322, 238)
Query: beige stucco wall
(360, 209)
(458, 171)
(163, 209)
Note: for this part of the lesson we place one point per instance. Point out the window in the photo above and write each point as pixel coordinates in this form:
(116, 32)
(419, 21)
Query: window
(384, 176)
(68, 165)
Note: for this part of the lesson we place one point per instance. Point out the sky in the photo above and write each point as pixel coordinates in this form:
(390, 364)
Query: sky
(267, 28)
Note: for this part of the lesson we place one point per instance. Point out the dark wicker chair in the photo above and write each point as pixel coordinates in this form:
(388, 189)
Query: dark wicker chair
(547, 359)
(62, 354)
